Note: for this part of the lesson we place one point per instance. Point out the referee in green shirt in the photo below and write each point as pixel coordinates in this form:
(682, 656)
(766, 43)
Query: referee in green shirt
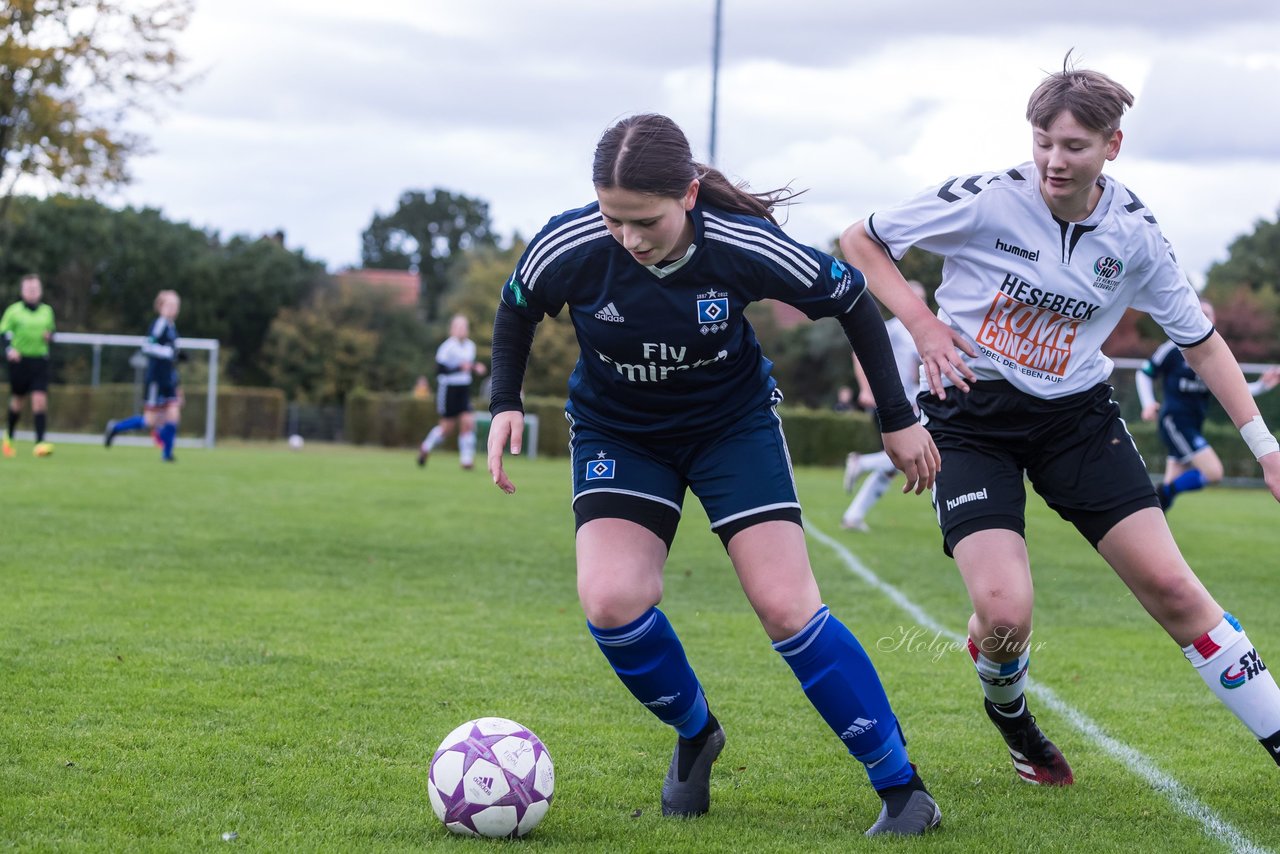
(25, 329)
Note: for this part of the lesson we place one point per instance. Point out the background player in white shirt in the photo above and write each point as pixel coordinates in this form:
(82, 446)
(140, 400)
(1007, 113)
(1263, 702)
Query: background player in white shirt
(1040, 262)
(879, 469)
(455, 365)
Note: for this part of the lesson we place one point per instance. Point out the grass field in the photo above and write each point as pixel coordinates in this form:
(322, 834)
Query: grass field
(273, 643)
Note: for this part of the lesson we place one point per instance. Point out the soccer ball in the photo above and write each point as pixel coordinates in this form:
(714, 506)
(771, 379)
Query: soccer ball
(295, 442)
(491, 777)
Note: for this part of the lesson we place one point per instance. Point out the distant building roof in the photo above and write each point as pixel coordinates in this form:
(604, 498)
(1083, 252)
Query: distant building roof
(403, 283)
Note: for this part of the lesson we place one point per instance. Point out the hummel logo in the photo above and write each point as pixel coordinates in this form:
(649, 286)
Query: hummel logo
(610, 313)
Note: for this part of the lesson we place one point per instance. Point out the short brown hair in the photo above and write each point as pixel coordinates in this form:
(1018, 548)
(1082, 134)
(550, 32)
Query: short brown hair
(1093, 99)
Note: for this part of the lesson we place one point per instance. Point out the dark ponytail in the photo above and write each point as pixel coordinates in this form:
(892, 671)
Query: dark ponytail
(648, 153)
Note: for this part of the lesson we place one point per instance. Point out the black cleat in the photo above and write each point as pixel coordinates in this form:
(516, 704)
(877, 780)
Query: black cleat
(686, 791)
(1036, 759)
(109, 434)
(906, 810)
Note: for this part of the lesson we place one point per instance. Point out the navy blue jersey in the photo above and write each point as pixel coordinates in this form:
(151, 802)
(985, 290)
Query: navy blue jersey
(1182, 390)
(668, 352)
(161, 350)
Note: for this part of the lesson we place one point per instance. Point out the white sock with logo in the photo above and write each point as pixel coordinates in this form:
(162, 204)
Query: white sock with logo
(1235, 673)
(1002, 682)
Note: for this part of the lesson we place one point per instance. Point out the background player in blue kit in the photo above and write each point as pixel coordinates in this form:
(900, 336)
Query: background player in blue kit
(162, 405)
(1041, 261)
(455, 365)
(1192, 462)
(672, 392)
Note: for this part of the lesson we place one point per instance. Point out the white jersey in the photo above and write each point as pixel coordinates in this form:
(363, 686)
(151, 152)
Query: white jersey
(1037, 296)
(451, 356)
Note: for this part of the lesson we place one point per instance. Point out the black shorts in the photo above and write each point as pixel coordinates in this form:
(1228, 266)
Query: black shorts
(453, 400)
(28, 374)
(1075, 450)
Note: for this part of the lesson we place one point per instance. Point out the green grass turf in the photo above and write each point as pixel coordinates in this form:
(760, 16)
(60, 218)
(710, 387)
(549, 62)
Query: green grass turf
(274, 642)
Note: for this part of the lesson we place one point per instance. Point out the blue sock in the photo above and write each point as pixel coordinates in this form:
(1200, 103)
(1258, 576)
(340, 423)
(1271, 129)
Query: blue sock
(648, 658)
(137, 422)
(1189, 481)
(167, 434)
(844, 687)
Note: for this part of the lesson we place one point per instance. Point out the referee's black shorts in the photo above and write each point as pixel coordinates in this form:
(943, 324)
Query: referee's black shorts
(28, 374)
(1075, 450)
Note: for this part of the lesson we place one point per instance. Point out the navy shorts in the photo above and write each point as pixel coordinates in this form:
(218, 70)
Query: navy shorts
(453, 400)
(741, 475)
(28, 374)
(161, 393)
(1180, 433)
(1075, 450)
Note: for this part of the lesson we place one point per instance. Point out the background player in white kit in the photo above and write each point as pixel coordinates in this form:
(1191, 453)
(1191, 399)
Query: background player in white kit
(455, 365)
(879, 469)
(1041, 261)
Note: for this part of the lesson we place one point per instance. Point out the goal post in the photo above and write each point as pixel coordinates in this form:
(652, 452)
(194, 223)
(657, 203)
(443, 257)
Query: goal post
(97, 342)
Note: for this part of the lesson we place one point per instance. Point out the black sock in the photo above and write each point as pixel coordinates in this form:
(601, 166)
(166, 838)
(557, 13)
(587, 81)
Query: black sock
(13, 422)
(690, 748)
(1272, 744)
(896, 797)
(42, 418)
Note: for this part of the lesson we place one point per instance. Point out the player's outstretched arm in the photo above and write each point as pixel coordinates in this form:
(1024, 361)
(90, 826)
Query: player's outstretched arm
(1213, 361)
(940, 347)
(506, 429)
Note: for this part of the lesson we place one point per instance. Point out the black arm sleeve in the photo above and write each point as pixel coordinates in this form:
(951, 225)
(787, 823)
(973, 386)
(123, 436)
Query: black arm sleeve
(865, 330)
(512, 343)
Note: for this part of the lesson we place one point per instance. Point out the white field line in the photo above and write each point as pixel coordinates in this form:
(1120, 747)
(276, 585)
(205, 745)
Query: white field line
(1214, 826)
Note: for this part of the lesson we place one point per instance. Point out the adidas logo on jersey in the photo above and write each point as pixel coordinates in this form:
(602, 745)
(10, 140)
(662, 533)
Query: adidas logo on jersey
(610, 313)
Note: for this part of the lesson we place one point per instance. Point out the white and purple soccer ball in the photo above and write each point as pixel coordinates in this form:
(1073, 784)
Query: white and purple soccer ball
(491, 777)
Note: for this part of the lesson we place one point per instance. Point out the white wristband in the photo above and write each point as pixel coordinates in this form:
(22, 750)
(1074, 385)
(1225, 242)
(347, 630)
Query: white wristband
(1259, 438)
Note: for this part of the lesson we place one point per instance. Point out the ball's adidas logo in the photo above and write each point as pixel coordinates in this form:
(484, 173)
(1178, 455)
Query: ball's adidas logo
(610, 313)
(485, 783)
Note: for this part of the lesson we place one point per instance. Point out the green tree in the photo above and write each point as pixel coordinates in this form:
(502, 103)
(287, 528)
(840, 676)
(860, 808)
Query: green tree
(102, 268)
(345, 337)
(429, 233)
(1245, 291)
(71, 72)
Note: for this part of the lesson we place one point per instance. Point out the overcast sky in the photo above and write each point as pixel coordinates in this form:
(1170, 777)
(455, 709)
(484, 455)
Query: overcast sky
(309, 116)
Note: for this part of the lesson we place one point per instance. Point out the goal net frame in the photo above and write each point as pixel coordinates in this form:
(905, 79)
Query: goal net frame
(97, 340)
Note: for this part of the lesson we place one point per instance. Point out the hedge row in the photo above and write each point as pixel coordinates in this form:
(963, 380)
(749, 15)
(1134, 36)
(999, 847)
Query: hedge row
(815, 437)
(243, 413)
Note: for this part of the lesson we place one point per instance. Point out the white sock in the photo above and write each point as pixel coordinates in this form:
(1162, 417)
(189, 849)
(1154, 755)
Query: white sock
(1234, 672)
(467, 448)
(879, 461)
(1002, 683)
(868, 494)
(434, 438)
